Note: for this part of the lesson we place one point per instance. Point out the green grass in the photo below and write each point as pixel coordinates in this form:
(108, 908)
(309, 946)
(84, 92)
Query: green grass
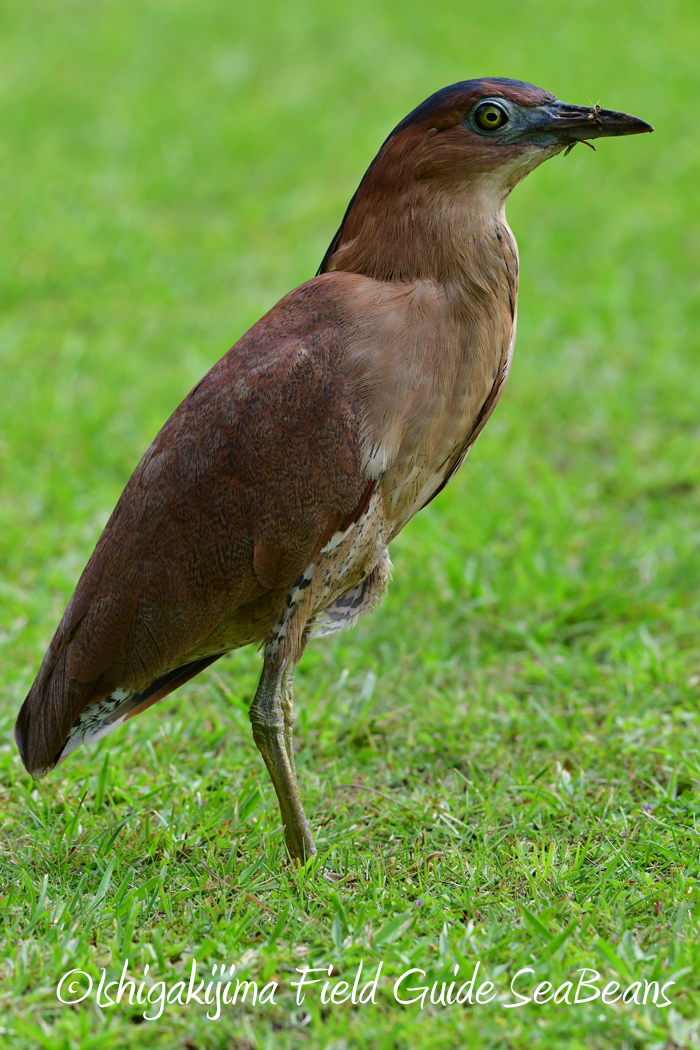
(514, 737)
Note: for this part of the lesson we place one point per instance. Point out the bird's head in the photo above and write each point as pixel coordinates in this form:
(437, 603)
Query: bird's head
(498, 130)
(472, 141)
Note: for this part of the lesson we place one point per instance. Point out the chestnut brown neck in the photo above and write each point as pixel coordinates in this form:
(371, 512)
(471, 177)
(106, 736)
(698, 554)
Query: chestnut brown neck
(404, 224)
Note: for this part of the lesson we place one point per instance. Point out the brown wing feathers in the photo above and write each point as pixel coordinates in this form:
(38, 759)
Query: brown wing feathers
(242, 487)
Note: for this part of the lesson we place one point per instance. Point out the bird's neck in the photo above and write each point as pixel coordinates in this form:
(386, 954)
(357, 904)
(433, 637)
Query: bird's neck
(423, 232)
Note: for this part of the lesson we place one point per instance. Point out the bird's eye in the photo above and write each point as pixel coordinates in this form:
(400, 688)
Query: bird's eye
(490, 117)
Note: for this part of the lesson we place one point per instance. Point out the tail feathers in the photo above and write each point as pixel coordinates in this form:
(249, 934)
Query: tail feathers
(48, 713)
(94, 721)
(101, 717)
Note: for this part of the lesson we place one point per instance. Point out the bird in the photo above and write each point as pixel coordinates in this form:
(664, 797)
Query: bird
(263, 511)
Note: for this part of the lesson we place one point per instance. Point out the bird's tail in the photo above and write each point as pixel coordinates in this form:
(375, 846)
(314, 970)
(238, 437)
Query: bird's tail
(59, 714)
(49, 711)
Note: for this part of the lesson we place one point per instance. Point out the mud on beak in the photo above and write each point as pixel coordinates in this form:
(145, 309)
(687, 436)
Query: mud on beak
(571, 124)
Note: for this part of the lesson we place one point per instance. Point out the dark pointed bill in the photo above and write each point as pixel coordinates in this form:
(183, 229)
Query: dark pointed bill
(574, 123)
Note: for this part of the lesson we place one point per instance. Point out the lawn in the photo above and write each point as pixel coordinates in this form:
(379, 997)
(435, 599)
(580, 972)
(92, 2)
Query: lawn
(502, 764)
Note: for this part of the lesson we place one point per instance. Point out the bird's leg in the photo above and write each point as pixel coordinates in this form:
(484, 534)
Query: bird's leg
(272, 716)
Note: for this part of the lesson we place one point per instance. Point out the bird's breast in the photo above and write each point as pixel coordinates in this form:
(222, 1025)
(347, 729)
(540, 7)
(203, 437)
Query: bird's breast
(430, 364)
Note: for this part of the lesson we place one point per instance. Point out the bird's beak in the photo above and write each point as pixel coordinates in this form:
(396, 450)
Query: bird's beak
(570, 124)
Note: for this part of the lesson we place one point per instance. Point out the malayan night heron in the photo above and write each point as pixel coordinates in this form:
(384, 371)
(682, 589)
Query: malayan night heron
(264, 509)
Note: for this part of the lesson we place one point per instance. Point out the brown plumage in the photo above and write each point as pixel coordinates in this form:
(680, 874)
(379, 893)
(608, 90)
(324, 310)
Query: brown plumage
(267, 502)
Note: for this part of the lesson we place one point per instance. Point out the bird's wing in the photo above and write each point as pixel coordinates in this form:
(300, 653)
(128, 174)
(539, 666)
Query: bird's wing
(250, 477)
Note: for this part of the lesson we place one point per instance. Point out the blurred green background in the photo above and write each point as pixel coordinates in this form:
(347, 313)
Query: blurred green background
(529, 689)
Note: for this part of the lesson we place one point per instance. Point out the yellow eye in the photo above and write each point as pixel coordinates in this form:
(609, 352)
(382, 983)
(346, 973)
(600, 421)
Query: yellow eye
(490, 117)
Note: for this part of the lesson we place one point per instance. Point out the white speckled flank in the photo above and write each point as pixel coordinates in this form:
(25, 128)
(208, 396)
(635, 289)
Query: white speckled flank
(279, 632)
(336, 539)
(97, 720)
(345, 611)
